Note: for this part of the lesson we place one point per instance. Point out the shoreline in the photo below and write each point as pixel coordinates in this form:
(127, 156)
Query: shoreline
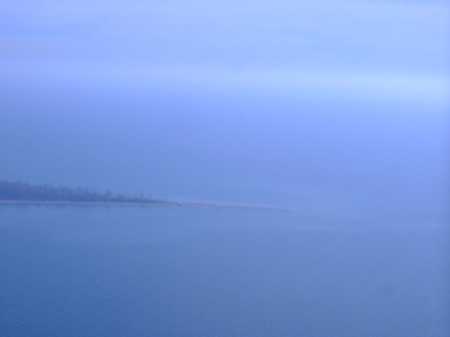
(155, 203)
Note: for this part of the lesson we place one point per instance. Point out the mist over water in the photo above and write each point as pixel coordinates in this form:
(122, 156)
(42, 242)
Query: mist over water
(349, 155)
(363, 254)
(335, 110)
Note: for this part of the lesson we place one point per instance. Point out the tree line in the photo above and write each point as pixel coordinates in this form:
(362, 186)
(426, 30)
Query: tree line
(20, 191)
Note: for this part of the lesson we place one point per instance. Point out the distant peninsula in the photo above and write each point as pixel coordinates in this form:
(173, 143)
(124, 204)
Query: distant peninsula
(19, 192)
(25, 193)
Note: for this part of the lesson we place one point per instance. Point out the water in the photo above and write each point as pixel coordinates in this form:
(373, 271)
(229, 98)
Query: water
(173, 271)
(363, 253)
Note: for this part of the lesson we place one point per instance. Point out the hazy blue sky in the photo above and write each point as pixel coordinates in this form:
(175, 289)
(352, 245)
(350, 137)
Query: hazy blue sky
(395, 47)
(345, 99)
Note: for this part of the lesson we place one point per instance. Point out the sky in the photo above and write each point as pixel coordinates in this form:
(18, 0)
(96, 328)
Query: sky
(345, 99)
(396, 48)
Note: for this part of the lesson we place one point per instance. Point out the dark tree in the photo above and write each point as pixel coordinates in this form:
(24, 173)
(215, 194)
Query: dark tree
(18, 191)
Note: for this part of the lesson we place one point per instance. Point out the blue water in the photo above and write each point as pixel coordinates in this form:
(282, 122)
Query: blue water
(173, 271)
(363, 253)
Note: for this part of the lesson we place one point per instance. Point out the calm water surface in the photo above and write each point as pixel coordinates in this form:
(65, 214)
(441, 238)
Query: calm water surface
(172, 271)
